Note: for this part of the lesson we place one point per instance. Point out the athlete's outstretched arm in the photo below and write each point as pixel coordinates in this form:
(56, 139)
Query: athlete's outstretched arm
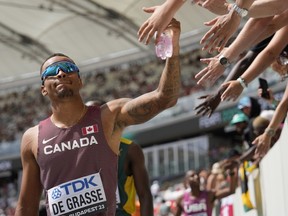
(146, 106)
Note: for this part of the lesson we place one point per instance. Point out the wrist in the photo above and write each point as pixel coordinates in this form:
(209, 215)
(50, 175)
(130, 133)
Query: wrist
(228, 7)
(241, 12)
(270, 132)
(242, 82)
(224, 61)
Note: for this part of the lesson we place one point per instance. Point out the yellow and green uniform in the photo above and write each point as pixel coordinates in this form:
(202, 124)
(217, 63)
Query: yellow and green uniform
(246, 167)
(126, 192)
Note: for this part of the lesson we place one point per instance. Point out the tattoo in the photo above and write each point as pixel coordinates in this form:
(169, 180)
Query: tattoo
(119, 125)
(140, 113)
(169, 87)
(173, 70)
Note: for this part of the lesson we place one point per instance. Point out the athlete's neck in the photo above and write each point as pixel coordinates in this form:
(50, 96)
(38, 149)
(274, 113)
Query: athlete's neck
(65, 117)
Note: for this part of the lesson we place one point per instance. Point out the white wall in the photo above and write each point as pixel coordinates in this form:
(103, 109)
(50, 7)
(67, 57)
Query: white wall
(273, 174)
(274, 177)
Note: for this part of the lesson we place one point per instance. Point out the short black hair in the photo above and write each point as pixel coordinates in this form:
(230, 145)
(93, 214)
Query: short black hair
(51, 56)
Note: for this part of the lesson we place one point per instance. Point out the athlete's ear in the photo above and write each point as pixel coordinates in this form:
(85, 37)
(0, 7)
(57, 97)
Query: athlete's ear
(80, 82)
(43, 90)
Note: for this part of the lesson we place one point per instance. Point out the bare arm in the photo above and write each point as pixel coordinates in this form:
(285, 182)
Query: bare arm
(211, 182)
(212, 101)
(145, 107)
(263, 142)
(268, 55)
(31, 188)
(141, 178)
(261, 8)
(220, 193)
(262, 61)
(224, 26)
(248, 36)
(179, 208)
(254, 31)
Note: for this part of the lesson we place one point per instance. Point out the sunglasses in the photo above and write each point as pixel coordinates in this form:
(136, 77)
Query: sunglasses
(53, 70)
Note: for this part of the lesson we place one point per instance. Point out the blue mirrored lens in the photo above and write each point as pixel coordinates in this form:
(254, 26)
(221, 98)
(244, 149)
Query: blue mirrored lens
(53, 70)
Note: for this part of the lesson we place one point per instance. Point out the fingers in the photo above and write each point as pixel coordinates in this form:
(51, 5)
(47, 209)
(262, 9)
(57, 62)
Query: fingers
(222, 44)
(200, 74)
(226, 95)
(232, 91)
(150, 35)
(210, 113)
(147, 31)
(208, 78)
(261, 149)
(196, 1)
(214, 39)
(149, 9)
(201, 110)
(142, 31)
(210, 32)
(203, 97)
(206, 60)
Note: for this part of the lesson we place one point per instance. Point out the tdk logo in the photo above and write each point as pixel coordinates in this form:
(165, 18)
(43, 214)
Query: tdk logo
(78, 185)
(56, 193)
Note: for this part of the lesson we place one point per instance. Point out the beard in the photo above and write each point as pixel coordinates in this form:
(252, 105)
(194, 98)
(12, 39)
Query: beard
(65, 93)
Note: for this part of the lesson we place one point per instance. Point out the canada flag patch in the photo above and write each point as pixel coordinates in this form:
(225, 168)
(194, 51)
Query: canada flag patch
(90, 129)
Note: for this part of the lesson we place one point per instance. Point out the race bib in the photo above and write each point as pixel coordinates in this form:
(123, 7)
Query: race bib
(78, 197)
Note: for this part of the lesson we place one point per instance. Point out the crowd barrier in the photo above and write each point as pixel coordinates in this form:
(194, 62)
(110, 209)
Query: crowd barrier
(268, 185)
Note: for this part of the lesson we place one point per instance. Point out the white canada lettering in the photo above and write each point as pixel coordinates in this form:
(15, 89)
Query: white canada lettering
(70, 145)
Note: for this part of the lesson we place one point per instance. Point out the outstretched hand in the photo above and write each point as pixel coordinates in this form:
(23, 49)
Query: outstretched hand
(263, 143)
(209, 105)
(209, 75)
(219, 7)
(157, 22)
(223, 27)
(233, 90)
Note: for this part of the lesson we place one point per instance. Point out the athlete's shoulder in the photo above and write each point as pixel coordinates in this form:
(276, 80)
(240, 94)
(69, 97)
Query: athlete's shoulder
(32, 131)
(30, 138)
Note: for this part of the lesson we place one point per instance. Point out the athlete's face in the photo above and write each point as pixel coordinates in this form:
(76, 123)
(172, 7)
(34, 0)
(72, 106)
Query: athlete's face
(192, 178)
(62, 84)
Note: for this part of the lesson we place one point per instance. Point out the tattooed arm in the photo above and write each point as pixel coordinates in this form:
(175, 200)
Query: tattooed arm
(146, 106)
(118, 114)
